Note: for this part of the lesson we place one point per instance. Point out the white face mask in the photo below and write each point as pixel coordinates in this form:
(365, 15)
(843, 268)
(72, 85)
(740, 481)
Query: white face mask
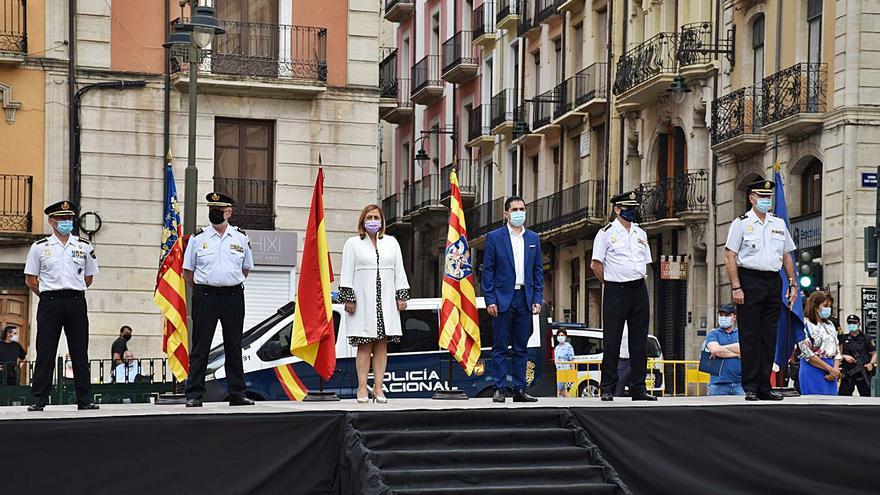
(560, 338)
(14, 338)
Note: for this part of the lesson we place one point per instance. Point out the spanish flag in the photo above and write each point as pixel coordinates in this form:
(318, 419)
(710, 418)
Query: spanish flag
(313, 339)
(459, 323)
(170, 294)
(290, 382)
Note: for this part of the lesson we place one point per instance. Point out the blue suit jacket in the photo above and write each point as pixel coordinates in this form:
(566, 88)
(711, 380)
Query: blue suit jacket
(498, 275)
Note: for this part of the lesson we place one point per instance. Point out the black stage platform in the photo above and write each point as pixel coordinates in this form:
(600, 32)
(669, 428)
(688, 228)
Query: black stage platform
(676, 446)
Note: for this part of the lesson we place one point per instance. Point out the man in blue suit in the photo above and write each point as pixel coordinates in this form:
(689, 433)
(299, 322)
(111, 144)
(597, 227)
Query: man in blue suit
(513, 286)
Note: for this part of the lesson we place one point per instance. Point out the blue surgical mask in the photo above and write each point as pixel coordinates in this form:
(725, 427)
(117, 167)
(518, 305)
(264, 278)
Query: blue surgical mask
(725, 321)
(65, 226)
(824, 313)
(628, 214)
(517, 218)
(764, 204)
(853, 327)
(560, 338)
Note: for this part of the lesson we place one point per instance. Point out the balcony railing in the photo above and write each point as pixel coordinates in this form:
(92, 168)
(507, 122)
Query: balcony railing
(388, 73)
(485, 217)
(459, 50)
(16, 203)
(590, 83)
(563, 97)
(255, 201)
(542, 108)
(467, 178)
(792, 91)
(527, 19)
(585, 200)
(404, 93)
(483, 19)
(692, 38)
(503, 105)
(522, 118)
(673, 196)
(547, 9)
(13, 26)
(736, 113)
(507, 8)
(479, 122)
(421, 193)
(807, 231)
(655, 56)
(426, 72)
(270, 50)
(391, 209)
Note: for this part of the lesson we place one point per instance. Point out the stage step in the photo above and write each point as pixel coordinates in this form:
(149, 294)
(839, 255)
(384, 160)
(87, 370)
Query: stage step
(498, 451)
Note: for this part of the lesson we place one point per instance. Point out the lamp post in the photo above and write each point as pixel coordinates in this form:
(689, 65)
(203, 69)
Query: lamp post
(189, 43)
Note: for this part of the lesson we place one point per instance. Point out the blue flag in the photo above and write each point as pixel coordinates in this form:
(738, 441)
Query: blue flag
(171, 224)
(790, 328)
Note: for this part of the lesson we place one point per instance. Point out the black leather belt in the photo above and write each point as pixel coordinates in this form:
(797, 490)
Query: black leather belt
(62, 294)
(210, 289)
(632, 283)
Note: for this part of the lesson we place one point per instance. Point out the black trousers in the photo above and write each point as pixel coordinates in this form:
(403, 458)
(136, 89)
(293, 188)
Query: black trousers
(849, 384)
(757, 319)
(210, 304)
(625, 302)
(61, 309)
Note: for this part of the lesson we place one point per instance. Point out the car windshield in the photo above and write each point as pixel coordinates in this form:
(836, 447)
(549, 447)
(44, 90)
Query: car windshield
(653, 348)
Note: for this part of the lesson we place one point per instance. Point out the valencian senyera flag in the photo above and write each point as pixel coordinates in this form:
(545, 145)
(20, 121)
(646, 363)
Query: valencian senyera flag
(313, 339)
(170, 293)
(291, 384)
(459, 323)
(790, 327)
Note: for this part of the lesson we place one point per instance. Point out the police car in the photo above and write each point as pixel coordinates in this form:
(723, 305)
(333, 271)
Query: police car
(417, 366)
(588, 345)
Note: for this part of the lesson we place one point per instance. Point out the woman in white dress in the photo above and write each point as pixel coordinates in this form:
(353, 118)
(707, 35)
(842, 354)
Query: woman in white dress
(374, 288)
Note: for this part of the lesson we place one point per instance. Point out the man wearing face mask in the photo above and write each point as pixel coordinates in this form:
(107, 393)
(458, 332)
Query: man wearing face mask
(620, 257)
(58, 270)
(217, 260)
(120, 345)
(11, 356)
(513, 286)
(723, 343)
(858, 353)
(757, 246)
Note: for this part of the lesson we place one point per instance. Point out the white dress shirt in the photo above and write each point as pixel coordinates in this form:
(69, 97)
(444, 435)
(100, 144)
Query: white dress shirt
(759, 245)
(61, 266)
(624, 254)
(519, 254)
(217, 260)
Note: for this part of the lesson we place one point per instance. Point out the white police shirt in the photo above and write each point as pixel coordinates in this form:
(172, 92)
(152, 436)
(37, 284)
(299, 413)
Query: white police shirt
(623, 254)
(759, 246)
(61, 266)
(218, 261)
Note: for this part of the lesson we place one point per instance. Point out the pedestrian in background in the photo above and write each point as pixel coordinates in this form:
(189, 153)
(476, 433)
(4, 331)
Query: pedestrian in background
(858, 359)
(120, 345)
(723, 343)
(820, 355)
(563, 352)
(12, 356)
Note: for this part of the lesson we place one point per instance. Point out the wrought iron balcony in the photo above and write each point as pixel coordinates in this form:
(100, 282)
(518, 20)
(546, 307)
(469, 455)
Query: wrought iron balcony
(584, 201)
(13, 26)
(16, 203)
(547, 9)
(420, 194)
(654, 57)
(590, 86)
(527, 19)
(793, 99)
(398, 10)
(460, 62)
(692, 38)
(255, 201)
(736, 122)
(563, 102)
(388, 73)
(483, 218)
(391, 207)
(479, 125)
(467, 171)
(509, 12)
(676, 197)
(402, 109)
(483, 22)
(503, 106)
(522, 119)
(542, 108)
(427, 84)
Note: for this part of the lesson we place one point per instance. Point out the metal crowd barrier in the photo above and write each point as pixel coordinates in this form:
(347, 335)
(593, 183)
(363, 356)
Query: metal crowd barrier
(664, 378)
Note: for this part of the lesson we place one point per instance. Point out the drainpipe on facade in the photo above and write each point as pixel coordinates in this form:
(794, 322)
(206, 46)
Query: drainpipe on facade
(73, 171)
(713, 181)
(166, 95)
(608, 94)
(622, 123)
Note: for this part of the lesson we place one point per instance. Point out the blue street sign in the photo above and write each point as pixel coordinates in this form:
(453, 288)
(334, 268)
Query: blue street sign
(869, 179)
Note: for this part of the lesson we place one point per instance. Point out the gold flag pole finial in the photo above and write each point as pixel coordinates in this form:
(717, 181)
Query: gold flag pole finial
(777, 166)
(168, 157)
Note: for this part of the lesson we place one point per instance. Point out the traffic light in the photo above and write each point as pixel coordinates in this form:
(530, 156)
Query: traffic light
(810, 272)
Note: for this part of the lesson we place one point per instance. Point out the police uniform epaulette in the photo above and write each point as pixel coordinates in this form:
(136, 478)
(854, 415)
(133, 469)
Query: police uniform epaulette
(744, 216)
(44, 240)
(605, 228)
(84, 241)
(198, 231)
(240, 230)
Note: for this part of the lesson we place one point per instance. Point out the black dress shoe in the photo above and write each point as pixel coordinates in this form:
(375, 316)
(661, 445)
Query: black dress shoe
(644, 396)
(36, 407)
(499, 396)
(240, 401)
(193, 402)
(522, 396)
(607, 397)
(771, 395)
(88, 406)
(751, 396)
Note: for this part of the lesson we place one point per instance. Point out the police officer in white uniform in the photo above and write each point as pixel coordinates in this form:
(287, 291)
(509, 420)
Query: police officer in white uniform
(755, 251)
(217, 260)
(58, 270)
(620, 257)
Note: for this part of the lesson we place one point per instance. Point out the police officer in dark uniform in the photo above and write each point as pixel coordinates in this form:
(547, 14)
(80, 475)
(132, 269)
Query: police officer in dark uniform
(620, 257)
(758, 244)
(58, 270)
(858, 353)
(217, 260)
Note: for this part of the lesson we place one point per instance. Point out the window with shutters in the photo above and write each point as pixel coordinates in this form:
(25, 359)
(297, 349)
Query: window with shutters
(244, 168)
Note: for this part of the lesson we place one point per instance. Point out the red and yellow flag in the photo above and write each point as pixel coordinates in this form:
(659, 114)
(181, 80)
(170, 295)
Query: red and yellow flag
(313, 339)
(459, 323)
(170, 293)
(290, 382)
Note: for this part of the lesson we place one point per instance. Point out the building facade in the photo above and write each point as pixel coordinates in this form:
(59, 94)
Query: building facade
(290, 84)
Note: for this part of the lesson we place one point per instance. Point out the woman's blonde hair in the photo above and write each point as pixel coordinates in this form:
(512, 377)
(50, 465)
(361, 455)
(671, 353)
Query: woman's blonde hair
(816, 299)
(367, 209)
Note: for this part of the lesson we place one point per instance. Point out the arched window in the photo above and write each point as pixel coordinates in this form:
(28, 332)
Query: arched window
(758, 49)
(811, 188)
